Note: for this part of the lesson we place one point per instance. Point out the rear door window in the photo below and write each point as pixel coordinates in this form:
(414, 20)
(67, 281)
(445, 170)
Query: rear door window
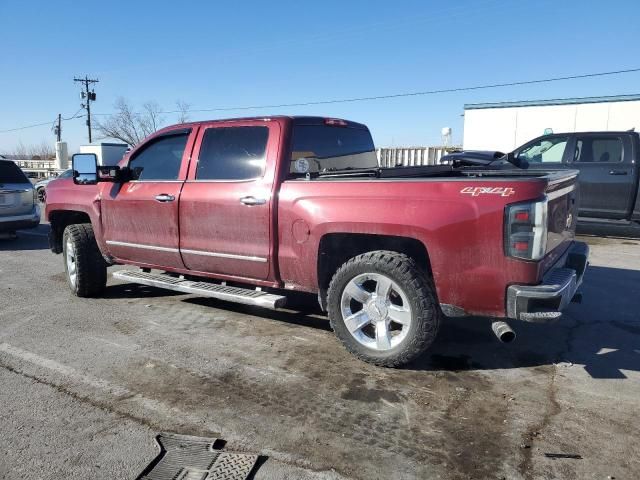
(232, 153)
(598, 149)
(544, 150)
(11, 173)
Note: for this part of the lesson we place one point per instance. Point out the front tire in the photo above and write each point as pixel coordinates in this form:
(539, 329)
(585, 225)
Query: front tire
(383, 308)
(42, 195)
(85, 268)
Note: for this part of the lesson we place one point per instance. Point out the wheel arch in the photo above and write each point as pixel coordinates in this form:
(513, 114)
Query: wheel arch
(61, 219)
(335, 249)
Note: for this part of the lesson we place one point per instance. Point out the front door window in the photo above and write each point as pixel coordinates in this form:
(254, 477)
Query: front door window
(544, 150)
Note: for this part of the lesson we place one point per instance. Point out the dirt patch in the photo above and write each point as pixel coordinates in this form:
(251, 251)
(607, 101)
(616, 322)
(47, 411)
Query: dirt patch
(415, 418)
(59, 277)
(536, 430)
(357, 390)
(126, 328)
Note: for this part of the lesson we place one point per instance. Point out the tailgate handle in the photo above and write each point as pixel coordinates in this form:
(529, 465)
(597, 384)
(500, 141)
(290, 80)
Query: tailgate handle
(253, 200)
(164, 197)
(618, 172)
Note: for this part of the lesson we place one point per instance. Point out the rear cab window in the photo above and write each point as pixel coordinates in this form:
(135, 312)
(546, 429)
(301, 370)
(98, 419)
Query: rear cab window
(11, 173)
(331, 147)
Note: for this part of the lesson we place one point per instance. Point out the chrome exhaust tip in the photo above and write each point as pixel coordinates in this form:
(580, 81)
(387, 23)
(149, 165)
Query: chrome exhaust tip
(503, 331)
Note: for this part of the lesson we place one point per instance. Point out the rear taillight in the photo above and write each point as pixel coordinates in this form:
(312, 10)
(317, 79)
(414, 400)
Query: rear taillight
(526, 230)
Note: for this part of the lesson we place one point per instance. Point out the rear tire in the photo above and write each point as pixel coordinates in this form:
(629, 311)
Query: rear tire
(383, 308)
(42, 195)
(85, 268)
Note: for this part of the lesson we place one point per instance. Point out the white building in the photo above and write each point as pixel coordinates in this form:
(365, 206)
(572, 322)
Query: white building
(505, 126)
(106, 153)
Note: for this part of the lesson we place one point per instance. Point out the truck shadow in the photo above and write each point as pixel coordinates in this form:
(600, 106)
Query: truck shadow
(303, 310)
(602, 334)
(35, 240)
(134, 290)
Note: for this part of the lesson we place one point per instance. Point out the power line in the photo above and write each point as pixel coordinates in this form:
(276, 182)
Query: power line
(371, 98)
(75, 115)
(25, 127)
(415, 94)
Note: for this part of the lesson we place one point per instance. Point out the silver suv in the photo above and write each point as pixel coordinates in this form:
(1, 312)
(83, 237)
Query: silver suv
(41, 186)
(18, 203)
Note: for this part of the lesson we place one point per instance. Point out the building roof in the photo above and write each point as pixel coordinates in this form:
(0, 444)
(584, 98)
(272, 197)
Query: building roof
(556, 101)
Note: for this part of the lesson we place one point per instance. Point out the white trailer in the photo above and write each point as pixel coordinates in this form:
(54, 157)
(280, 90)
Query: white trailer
(505, 126)
(108, 153)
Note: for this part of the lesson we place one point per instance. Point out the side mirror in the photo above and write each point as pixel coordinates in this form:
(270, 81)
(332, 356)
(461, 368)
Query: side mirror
(85, 168)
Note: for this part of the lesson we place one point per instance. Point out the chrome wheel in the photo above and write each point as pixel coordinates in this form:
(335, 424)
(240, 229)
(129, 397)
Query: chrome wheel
(42, 195)
(70, 255)
(376, 311)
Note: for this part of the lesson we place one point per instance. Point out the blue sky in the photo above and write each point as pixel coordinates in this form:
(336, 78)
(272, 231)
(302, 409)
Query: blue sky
(227, 54)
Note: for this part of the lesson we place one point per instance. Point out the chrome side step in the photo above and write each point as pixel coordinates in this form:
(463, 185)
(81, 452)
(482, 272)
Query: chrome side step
(203, 288)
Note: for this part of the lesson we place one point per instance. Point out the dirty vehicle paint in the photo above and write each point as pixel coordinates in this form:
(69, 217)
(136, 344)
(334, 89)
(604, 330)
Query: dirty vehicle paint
(291, 215)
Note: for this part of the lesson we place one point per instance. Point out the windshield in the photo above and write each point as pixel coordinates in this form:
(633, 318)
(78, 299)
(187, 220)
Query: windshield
(11, 173)
(325, 148)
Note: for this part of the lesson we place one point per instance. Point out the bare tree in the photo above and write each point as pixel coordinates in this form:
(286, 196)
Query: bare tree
(21, 151)
(40, 151)
(183, 111)
(43, 150)
(130, 126)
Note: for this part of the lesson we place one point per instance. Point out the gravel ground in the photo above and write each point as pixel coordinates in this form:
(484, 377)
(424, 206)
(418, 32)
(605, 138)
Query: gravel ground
(88, 383)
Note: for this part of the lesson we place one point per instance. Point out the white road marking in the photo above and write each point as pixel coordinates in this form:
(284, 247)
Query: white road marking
(406, 414)
(64, 370)
(108, 387)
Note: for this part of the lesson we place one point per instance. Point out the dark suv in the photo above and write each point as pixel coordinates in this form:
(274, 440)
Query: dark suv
(607, 161)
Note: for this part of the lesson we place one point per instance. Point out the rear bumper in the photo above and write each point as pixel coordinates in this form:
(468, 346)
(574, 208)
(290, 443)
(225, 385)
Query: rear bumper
(545, 302)
(17, 222)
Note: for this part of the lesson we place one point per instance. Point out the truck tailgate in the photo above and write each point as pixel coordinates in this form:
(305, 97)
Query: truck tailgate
(562, 210)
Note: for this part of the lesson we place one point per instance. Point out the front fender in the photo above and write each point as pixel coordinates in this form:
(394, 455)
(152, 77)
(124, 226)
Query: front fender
(66, 198)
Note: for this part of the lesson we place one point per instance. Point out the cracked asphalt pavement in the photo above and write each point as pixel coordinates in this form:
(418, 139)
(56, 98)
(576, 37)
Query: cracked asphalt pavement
(86, 384)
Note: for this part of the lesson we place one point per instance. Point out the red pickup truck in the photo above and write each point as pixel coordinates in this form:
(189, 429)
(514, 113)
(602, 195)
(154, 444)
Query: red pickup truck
(245, 209)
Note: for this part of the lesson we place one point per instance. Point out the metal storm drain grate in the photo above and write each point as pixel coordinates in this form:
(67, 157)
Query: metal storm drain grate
(184, 457)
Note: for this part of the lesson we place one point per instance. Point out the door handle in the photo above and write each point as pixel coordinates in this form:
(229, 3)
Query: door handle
(164, 197)
(618, 172)
(253, 200)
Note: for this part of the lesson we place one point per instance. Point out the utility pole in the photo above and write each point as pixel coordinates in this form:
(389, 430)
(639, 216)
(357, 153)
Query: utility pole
(58, 128)
(90, 96)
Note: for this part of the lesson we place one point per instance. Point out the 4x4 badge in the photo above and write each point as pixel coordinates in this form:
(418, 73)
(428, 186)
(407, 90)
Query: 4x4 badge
(475, 191)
